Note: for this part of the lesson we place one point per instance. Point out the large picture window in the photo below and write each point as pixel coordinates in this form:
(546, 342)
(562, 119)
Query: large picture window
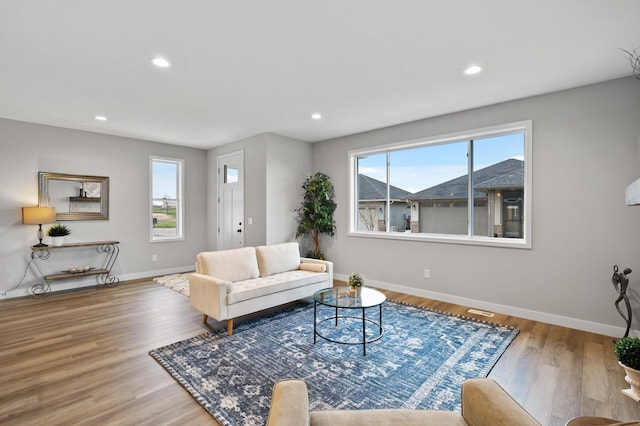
(166, 199)
(473, 187)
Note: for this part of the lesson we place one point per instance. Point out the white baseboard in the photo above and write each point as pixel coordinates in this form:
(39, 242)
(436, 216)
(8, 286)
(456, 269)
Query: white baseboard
(578, 324)
(157, 272)
(78, 283)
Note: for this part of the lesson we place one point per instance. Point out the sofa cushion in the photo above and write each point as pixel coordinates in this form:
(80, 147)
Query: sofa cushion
(230, 265)
(278, 258)
(313, 267)
(250, 289)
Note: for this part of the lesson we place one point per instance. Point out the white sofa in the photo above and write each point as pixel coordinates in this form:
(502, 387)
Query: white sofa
(231, 283)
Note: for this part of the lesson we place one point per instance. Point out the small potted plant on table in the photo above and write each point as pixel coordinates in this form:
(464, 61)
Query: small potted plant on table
(57, 233)
(355, 281)
(627, 351)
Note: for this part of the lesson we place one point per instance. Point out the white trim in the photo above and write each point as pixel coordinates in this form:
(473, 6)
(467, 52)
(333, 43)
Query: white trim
(157, 272)
(445, 238)
(578, 324)
(525, 126)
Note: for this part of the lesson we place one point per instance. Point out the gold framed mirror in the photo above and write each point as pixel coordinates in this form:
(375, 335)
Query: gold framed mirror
(75, 197)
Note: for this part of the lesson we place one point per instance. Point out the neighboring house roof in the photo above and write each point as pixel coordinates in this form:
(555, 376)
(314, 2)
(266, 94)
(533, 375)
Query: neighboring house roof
(370, 189)
(503, 175)
(514, 179)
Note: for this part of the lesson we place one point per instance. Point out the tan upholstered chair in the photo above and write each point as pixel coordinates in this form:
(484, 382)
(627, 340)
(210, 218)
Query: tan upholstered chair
(484, 403)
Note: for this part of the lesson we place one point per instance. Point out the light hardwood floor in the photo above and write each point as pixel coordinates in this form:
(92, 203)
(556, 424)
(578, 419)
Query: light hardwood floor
(81, 358)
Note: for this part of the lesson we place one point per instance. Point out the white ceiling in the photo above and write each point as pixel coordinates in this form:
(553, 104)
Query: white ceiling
(244, 67)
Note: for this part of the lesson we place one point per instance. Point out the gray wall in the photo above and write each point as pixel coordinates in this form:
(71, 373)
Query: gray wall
(288, 164)
(274, 169)
(28, 148)
(585, 152)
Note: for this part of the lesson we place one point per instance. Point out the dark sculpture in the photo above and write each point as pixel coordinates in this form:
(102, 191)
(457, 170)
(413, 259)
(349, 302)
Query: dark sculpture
(634, 60)
(620, 283)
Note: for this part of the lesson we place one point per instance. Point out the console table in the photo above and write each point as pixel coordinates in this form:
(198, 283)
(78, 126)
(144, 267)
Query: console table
(109, 249)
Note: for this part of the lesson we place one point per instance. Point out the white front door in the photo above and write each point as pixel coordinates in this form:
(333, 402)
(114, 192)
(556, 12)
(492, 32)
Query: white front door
(231, 201)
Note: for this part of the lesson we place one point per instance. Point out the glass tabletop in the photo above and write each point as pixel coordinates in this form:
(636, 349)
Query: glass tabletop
(340, 297)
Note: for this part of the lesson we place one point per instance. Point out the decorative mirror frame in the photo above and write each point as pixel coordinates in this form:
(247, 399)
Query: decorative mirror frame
(44, 179)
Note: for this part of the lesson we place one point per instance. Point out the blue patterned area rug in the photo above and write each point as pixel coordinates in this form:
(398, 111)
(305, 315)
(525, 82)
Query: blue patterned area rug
(420, 362)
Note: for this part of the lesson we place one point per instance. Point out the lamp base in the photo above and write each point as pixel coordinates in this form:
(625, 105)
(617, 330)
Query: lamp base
(40, 235)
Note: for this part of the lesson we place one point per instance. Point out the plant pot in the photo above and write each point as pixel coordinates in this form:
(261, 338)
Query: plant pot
(633, 379)
(57, 241)
(355, 291)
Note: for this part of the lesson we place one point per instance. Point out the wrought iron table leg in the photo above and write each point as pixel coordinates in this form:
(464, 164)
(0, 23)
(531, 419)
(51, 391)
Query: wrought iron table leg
(112, 251)
(364, 334)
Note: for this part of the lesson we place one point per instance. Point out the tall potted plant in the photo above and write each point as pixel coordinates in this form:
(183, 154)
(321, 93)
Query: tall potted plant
(627, 351)
(315, 214)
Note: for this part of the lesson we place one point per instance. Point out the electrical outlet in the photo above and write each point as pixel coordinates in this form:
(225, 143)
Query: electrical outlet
(427, 273)
(154, 257)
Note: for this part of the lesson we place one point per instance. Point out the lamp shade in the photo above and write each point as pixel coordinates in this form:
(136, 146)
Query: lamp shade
(38, 215)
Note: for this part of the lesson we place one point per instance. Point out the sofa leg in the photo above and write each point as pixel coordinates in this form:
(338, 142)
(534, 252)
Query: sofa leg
(230, 326)
(204, 319)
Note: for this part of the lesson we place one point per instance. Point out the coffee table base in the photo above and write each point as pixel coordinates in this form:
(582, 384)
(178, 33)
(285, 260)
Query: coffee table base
(364, 320)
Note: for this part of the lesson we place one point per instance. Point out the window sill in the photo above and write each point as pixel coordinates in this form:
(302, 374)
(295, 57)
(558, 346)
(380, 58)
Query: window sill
(166, 240)
(447, 239)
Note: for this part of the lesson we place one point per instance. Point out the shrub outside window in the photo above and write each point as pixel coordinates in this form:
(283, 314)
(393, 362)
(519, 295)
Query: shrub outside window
(473, 187)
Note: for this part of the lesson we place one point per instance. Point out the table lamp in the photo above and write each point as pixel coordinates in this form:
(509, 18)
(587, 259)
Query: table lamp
(38, 216)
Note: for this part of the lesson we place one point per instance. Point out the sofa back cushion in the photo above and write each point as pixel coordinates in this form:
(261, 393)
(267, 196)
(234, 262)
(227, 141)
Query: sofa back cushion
(230, 265)
(278, 258)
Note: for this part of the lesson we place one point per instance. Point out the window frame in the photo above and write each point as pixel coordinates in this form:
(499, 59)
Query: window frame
(525, 127)
(180, 225)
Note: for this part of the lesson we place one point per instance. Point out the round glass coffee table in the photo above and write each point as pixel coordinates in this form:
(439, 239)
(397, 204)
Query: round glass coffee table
(345, 306)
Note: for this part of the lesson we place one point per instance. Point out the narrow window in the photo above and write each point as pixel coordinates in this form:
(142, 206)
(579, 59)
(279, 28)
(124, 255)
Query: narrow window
(166, 199)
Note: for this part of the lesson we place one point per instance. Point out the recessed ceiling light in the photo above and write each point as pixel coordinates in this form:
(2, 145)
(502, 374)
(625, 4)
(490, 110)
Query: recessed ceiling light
(160, 62)
(100, 118)
(316, 116)
(473, 69)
